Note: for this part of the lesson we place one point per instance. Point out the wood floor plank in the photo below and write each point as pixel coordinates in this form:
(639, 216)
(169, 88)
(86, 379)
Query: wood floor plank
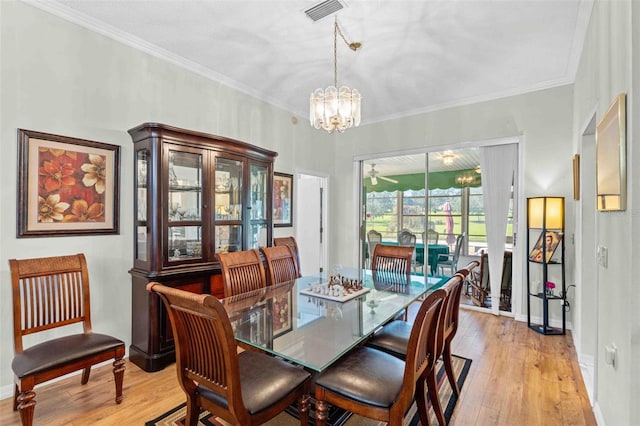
(517, 377)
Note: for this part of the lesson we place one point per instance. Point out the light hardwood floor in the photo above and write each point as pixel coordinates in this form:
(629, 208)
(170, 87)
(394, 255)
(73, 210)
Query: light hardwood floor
(518, 377)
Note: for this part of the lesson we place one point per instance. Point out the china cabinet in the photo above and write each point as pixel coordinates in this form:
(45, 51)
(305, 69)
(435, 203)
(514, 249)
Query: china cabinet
(546, 286)
(195, 195)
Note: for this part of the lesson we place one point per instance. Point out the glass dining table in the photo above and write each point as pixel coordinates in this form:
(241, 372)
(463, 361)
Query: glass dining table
(312, 329)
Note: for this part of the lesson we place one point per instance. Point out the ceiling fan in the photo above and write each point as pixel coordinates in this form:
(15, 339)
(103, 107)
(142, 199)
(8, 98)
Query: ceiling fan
(374, 174)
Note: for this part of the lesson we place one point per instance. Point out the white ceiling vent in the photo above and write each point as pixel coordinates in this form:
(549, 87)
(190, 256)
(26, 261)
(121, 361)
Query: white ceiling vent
(324, 9)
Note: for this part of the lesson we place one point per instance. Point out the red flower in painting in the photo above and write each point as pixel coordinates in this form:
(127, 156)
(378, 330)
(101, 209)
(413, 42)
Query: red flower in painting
(56, 174)
(82, 212)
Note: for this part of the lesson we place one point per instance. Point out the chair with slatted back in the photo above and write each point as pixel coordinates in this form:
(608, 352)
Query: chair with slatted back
(450, 321)
(395, 259)
(281, 264)
(242, 271)
(390, 269)
(378, 385)
(291, 242)
(393, 338)
(50, 293)
(242, 388)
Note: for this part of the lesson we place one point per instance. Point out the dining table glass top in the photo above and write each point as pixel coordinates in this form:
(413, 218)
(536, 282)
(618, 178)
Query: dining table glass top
(314, 330)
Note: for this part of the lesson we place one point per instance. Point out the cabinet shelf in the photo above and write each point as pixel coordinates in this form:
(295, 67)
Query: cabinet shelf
(547, 297)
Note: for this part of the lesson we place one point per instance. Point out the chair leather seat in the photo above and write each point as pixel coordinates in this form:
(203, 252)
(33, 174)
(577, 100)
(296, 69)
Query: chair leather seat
(63, 350)
(366, 375)
(393, 338)
(265, 380)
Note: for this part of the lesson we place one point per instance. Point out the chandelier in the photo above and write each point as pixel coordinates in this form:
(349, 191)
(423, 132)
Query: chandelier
(335, 109)
(447, 158)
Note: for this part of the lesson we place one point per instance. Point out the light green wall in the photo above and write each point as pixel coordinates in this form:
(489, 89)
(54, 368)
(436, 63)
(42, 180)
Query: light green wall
(60, 78)
(605, 70)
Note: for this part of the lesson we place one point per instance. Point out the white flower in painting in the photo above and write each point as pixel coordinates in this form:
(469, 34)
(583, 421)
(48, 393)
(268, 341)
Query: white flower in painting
(95, 173)
(51, 209)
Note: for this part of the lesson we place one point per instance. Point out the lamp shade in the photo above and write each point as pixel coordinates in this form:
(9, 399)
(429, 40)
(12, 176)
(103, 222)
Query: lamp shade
(545, 212)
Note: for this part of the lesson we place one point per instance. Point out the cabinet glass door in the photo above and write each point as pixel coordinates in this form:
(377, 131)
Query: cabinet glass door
(141, 205)
(258, 229)
(228, 205)
(258, 192)
(184, 209)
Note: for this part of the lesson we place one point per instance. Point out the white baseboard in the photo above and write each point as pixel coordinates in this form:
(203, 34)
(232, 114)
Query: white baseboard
(587, 368)
(598, 414)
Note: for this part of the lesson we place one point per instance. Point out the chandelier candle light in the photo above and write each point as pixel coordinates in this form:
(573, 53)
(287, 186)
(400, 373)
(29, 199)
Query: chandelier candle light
(333, 109)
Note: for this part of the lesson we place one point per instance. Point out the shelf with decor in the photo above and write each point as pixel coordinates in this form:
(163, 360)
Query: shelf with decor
(546, 287)
(195, 195)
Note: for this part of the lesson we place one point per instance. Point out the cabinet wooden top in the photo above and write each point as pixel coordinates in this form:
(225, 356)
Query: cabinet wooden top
(198, 139)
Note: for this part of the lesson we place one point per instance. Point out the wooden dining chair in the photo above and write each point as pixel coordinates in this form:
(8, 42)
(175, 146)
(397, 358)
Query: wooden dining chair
(242, 271)
(396, 259)
(390, 269)
(290, 242)
(281, 264)
(394, 339)
(246, 388)
(378, 385)
(451, 320)
(50, 293)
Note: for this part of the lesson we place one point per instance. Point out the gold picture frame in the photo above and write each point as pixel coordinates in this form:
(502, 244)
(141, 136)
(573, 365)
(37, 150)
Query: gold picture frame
(611, 171)
(576, 176)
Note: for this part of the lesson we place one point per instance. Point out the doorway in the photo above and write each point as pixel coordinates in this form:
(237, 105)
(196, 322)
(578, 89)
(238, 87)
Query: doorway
(310, 221)
(452, 206)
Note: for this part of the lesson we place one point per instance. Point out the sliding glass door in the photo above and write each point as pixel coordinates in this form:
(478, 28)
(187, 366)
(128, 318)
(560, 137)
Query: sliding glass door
(436, 196)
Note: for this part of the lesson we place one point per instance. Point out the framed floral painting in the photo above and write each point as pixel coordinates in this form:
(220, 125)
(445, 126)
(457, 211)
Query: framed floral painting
(66, 186)
(282, 199)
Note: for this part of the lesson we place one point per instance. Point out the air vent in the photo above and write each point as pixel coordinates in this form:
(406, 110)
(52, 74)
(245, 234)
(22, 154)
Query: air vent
(324, 9)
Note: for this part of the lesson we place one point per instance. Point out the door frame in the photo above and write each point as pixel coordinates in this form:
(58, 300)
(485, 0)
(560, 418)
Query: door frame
(301, 212)
(519, 249)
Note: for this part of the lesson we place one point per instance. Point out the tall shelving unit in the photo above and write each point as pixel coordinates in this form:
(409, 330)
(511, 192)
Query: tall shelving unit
(546, 262)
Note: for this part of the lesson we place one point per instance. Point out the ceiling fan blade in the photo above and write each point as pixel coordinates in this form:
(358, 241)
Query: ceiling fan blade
(388, 179)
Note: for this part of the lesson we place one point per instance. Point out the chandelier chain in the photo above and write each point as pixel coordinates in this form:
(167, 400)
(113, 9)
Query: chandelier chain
(353, 46)
(335, 52)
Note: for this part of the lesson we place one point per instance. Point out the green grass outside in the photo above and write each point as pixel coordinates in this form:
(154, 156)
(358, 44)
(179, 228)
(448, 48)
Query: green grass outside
(387, 225)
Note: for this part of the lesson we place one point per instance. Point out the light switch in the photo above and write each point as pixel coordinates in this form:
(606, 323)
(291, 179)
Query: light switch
(610, 354)
(602, 254)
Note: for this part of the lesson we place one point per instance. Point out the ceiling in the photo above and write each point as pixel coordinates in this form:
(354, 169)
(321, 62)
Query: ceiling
(416, 56)
(462, 159)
